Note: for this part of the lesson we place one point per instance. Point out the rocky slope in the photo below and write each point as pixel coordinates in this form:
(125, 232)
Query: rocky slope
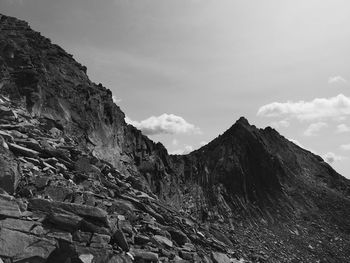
(80, 185)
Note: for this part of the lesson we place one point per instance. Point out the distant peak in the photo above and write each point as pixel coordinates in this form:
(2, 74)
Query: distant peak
(242, 121)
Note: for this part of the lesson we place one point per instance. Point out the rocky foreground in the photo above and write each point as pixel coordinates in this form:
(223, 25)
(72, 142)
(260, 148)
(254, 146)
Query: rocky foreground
(77, 184)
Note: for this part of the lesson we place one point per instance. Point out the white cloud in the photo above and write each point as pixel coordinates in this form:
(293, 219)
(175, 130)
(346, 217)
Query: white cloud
(280, 124)
(341, 128)
(186, 150)
(314, 128)
(319, 108)
(331, 157)
(164, 124)
(337, 80)
(116, 100)
(345, 147)
(202, 143)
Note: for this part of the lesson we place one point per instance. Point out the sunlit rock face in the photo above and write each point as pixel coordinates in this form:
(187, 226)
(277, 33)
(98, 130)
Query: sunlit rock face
(77, 184)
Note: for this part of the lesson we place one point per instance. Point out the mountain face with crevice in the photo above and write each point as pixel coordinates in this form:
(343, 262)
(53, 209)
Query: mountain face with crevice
(78, 184)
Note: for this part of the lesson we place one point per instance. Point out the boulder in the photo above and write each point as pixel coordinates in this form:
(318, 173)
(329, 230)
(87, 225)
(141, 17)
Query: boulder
(82, 237)
(89, 212)
(141, 239)
(218, 257)
(7, 113)
(9, 207)
(20, 246)
(23, 151)
(163, 241)
(9, 169)
(86, 258)
(120, 240)
(178, 236)
(145, 255)
(68, 222)
(18, 224)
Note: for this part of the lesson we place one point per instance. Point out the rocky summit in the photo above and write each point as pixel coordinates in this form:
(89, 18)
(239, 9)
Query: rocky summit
(78, 184)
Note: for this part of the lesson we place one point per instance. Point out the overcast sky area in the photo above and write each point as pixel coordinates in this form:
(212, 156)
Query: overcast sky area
(184, 71)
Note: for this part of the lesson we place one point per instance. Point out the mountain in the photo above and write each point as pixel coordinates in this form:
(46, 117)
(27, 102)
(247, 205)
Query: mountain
(78, 184)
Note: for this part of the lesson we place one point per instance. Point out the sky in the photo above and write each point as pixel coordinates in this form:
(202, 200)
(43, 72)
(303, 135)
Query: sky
(184, 71)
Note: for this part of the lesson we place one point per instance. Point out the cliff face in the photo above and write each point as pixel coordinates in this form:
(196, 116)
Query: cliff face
(52, 86)
(77, 184)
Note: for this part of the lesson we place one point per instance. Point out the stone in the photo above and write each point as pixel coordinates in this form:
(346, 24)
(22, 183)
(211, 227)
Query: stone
(100, 255)
(100, 238)
(8, 137)
(18, 224)
(178, 259)
(163, 240)
(141, 239)
(55, 132)
(83, 165)
(186, 255)
(61, 167)
(91, 227)
(9, 169)
(68, 222)
(86, 258)
(9, 207)
(120, 258)
(41, 181)
(20, 246)
(126, 227)
(6, 112)
(58, 193)
(218, 257)
(82, 237)
(101, 245)
(85, 211)
(145, 255)
(63, 236)
(23, 151)
(120, 240)
(178, 236)
(29, 143)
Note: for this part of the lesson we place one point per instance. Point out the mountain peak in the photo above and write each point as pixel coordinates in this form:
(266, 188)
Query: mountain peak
(243, 121)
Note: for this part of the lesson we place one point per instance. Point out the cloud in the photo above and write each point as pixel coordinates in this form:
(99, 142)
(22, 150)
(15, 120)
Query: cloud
(186, 150)
(341, 128)
(331, 157)
(116, 100)
(202, 143)
(314, 128)
(345, 147)
(319, 108)
(337, 80)
(174, 142)
(279, 124)
(164, 124)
